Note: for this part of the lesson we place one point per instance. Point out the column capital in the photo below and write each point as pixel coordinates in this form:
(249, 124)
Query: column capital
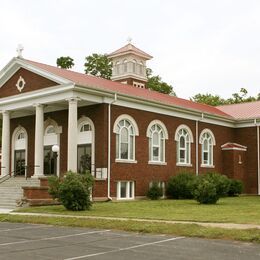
(38, 105)
(73, 99)
(5, 112)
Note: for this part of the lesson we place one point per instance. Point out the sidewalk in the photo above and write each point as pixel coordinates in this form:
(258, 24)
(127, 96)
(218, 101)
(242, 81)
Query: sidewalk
(204, 224)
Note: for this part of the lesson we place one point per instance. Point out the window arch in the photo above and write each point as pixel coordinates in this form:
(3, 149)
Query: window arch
(86, 145)
(134, 66)
(125, 65)
(125, 129)
(50, 130)
(207, 141)
(157, 133)
(19, 151)
(184, 138)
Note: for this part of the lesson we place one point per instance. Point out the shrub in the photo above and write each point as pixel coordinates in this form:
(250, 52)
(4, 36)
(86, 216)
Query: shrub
(220, 181)
(205, 192)
(154, 192)
(235, 187)
(54, 185)
(181, 186)
(73, 191)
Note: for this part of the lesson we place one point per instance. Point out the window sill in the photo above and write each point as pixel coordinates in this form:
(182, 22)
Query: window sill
(125, 198)
(207, 166)
(125, 161)
(184, 164)
(157, 163)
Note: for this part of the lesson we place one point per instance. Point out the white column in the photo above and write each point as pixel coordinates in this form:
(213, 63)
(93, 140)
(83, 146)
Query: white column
(5, 144)
(39, 133)
(72, 135)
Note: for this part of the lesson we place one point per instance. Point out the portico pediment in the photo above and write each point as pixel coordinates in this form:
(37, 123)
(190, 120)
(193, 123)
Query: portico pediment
(20, 77)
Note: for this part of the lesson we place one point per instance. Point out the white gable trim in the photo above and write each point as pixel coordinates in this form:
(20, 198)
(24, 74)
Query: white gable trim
(15, 64)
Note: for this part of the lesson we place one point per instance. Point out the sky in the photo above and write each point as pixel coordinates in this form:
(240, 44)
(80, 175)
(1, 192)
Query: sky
(198, 46)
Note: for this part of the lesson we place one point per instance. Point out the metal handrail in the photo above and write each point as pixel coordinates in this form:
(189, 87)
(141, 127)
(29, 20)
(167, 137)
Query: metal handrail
(15, 172)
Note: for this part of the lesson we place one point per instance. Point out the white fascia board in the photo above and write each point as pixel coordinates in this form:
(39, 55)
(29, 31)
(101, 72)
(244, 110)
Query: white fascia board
(15, 64)
(156, 107)
(43, 96)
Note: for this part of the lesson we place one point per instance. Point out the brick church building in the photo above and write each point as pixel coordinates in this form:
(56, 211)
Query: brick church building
(55, 120)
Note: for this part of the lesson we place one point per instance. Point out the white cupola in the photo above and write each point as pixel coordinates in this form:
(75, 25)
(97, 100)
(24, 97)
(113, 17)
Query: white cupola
(129, 65)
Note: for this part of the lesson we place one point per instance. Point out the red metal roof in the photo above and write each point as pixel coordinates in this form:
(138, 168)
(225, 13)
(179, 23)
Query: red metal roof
(249, 110)
(130, 48)
(116, 87)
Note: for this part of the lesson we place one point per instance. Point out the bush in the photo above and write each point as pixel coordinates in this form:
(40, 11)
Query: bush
(235, 188)
(220, 181)
(181, 186)
(155, 192)
(73, 191)
(205, 192)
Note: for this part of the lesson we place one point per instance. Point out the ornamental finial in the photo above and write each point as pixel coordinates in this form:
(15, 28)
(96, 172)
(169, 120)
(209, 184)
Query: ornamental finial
(19, 50)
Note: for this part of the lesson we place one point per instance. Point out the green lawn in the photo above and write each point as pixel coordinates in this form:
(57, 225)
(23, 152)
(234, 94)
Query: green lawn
(245, 209)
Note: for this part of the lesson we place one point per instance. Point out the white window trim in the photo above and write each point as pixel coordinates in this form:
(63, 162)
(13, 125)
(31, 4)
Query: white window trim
(187, 143)
(17, 131)
(125, 161)
(82, 121)
(118, 195)
(135, 133)
(210, 148)
(184, 164)
(165, 137)
(157, 163)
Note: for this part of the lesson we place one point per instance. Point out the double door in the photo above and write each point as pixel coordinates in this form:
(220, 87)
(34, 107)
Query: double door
(19, 163)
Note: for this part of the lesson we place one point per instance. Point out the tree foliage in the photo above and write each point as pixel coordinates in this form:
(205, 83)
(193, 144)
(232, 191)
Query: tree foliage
(65, 62)
(98, 65)
(156, 83)
(216, 100)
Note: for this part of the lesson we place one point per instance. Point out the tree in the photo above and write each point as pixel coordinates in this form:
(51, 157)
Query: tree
(156, 83)
(215, 100)
(98, 65)
(65, 62)
(209, 99)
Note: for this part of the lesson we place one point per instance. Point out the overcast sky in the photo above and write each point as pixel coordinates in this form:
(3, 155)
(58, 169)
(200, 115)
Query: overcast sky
(198, 46)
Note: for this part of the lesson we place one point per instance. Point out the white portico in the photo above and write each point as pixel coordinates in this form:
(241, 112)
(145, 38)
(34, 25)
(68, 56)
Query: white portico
(64, 95)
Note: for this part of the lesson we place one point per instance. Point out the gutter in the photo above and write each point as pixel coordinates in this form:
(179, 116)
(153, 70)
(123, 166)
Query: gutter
(109, 148)
(258, 156)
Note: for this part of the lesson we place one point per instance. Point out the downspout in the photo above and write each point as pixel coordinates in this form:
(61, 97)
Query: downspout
(197, 147)
(197, 143)
(258, 156)
(109, 148)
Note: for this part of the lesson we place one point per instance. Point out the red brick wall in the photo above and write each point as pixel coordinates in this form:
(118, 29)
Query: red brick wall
(248, 137)
(143, 173)
(33, 82)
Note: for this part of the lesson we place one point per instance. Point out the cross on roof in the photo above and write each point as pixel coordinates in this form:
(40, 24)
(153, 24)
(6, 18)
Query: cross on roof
(19, 50)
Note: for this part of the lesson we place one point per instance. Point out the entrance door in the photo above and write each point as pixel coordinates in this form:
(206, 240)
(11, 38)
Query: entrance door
(19, 162)
(50, 162)
(84, 158)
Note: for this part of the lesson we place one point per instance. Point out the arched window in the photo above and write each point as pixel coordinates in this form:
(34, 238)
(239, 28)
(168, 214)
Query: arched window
(85, 128)
(157, 133)
(207, 141)
(50, 130)
(126, 129)
(134, 66)
(125, 65)
(117, 68)
(184, 138)
(141, 68)
(21, 136)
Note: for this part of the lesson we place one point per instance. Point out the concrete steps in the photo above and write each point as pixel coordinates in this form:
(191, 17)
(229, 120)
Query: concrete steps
(11, 191)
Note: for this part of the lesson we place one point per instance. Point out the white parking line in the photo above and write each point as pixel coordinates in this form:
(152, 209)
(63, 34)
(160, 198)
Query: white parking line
(124, 249)
(52, 238)
(21, 228)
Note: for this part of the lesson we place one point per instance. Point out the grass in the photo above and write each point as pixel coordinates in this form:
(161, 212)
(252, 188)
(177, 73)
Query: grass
(188, 230)
(245, 210)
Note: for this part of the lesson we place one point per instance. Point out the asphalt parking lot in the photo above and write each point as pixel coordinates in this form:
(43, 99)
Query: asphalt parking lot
(27, 241)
